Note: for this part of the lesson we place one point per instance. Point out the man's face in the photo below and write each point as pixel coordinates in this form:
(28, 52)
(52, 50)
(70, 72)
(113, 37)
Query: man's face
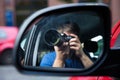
(66, 31)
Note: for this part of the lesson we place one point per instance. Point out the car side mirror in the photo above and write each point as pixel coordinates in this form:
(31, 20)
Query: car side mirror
(71, 39)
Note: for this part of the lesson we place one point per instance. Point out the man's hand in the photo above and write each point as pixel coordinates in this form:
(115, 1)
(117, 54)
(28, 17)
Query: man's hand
(61, 54)
(62, 51)
(76, 45)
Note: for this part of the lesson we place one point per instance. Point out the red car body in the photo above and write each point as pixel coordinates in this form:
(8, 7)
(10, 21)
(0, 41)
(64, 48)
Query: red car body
(114, 35)
(7, 39)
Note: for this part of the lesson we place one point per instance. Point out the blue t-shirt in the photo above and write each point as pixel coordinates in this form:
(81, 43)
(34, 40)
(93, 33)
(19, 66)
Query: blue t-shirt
(48, 60)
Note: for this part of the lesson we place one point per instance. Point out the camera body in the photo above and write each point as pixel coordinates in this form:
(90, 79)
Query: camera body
(54, 38)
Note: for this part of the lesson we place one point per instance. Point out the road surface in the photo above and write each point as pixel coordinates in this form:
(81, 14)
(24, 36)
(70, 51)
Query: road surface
(9, 72)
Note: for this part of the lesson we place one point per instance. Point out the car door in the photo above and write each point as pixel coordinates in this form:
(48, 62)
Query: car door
(115, 43)
(26, 46)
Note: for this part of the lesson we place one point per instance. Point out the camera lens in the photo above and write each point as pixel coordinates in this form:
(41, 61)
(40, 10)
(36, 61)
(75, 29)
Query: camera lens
(52, 37)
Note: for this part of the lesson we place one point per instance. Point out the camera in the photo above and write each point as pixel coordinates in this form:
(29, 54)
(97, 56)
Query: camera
(54, 38)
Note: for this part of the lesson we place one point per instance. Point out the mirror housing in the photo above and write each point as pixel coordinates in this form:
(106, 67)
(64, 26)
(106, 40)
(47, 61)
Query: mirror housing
(99, 66)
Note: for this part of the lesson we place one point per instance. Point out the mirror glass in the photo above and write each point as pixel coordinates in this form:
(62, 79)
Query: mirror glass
(64, 40)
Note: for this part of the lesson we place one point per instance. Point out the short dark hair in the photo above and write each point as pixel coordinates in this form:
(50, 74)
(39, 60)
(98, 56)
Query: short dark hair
(73, 27)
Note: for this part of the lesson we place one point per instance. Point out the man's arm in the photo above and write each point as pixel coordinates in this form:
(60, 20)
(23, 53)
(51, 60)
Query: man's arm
(87, 62)
(76, 45)
(58, 63)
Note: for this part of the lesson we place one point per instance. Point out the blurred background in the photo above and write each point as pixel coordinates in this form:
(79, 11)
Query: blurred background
(13, 13)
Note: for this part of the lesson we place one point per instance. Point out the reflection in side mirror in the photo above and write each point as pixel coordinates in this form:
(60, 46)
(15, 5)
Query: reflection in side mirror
(68, 38)
(59, 42)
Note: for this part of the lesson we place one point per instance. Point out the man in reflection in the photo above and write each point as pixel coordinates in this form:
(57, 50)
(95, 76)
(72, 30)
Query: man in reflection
(69, 54)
